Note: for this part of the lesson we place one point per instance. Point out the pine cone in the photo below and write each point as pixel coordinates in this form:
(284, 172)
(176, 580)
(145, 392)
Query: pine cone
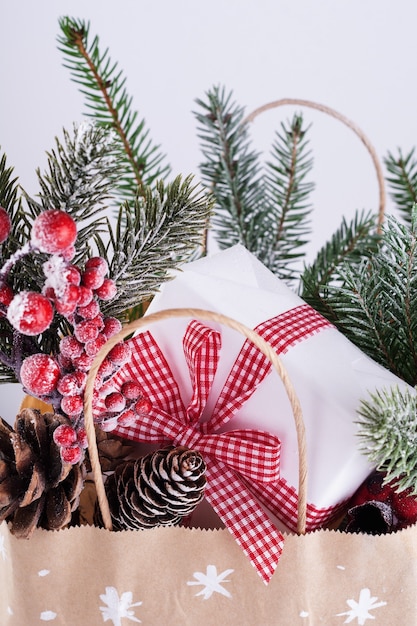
(112, 450)
(37, 488)
(157, 489)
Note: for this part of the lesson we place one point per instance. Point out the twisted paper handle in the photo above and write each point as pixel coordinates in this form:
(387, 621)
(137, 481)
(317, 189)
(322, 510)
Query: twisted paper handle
(200, 314)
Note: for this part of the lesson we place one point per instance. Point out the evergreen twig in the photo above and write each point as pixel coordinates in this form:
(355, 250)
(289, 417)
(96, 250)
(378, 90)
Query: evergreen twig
(351, 243)
(402, 180)
(264, 208)
(388, 435)
(151, 238)
(108, 102)
(375, 302)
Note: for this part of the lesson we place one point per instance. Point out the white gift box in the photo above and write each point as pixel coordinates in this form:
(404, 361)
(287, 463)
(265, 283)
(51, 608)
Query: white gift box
(330, 375)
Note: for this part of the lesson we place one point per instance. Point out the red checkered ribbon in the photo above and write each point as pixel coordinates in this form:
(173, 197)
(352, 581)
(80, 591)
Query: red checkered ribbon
(237, 460)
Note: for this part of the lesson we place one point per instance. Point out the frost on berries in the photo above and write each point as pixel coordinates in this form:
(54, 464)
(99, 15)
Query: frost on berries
(53, 231)
(39, 374)
(30, 313)
(75, 294)
(5, 224)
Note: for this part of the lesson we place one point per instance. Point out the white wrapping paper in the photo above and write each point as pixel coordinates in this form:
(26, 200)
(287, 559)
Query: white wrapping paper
(329, 373)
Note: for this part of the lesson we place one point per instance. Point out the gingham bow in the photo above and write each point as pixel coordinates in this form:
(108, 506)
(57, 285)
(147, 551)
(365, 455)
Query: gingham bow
(235, 459)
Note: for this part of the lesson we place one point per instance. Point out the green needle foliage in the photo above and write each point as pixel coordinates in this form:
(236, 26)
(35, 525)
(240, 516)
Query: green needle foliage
(163, 228)
(107, 101)
(152, 236)
(375, 303)
(79, 180)
(263, 207)
(388, 434)
(402, 179)
(349, 245)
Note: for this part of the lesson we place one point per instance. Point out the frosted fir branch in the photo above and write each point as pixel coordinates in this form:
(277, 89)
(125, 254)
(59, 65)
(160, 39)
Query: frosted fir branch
(163, 229)
(388, 435)
(80, 171)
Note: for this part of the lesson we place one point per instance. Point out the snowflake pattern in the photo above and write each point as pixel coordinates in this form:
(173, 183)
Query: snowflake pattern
(118, 607)
(361, 610)
(211, 582)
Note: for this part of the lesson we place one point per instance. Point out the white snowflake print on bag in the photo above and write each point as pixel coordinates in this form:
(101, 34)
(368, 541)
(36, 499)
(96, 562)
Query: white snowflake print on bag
(211, 582)
(118, 607)
(360, 610)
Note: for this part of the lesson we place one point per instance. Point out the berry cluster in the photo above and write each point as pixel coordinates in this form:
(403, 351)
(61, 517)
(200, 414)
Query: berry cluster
(402, 505)
(75, 294)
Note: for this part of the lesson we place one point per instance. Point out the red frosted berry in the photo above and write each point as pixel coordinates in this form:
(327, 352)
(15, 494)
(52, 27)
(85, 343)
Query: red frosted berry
(107, 290)
(6, 294)
(39, 374)
(98, 322)
(30, 312)
(405, 505)
(85, 295)
(67, 303)
(85, 331)
(82, 379)
(120, 353)
(68, 254)
(82, 438)
(106, 368)
(82, 362)
(65, 435)
(115, 402)
(5, 224)
(72, 275)
(111, 326)
(92, 278)
(131, 390)
(92, 347)
(72, 405)
(53, 231)
(97, 263)
(127, 418)
(64, 362)
(89, 311)
(70, 347)
(71, 454)
(69, 384)
(143, 406)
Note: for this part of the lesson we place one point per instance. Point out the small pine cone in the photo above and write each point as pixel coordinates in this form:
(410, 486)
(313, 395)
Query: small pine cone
(37, 488)
(112, 450)
(157, 489)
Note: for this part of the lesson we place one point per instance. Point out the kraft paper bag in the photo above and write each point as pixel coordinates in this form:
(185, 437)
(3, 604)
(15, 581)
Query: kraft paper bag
(85, 576)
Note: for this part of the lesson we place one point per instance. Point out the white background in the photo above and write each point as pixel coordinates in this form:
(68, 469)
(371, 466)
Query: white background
(356, 56)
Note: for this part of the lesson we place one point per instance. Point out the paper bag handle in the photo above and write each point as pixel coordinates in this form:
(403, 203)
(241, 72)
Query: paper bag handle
(200, 314)
(342, 118)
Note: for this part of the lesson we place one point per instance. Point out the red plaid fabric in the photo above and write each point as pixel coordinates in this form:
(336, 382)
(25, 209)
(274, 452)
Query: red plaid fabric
(242, 465)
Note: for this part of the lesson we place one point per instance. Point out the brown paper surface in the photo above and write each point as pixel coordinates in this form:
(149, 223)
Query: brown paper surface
(87, 576)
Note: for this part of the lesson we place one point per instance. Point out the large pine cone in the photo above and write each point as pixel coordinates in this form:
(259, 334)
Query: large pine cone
(157, 489)
(36, 487)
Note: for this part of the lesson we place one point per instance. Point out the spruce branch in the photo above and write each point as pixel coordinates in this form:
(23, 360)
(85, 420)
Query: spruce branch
(107, 101)
(78, 180)
(288, 190)
(263, 207)
(375, 302)
(350, 243)
(402, 180)
(388, 435)
(162, 229)
(230, 169)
